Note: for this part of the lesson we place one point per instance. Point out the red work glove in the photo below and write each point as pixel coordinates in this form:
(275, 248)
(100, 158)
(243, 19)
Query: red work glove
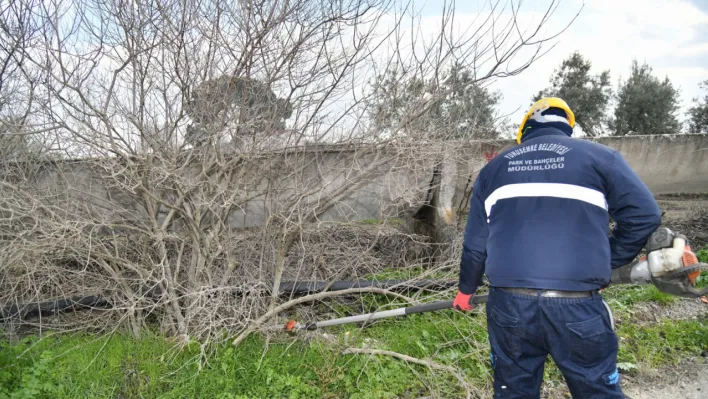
(463, 302)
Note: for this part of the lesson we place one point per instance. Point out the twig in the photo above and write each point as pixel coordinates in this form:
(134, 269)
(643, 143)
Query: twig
(309, 298)
(410, 359)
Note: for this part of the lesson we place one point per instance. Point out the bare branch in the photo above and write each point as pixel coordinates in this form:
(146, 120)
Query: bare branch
(409, 359)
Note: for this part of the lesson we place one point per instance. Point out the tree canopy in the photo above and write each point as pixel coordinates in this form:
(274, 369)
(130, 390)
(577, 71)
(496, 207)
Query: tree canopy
(248, 102)
(452, 107)
(587, 95)
(698, 113)
(646, 104)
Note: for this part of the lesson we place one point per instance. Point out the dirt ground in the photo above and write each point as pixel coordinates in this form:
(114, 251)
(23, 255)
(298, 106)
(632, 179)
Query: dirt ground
(689, 380)
(687, 215)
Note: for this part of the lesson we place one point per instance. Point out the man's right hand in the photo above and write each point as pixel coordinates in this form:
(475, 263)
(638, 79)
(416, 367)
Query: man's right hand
(463, 302)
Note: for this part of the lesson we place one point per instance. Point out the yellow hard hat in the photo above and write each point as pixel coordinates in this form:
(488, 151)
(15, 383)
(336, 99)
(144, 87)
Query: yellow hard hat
(541, 105)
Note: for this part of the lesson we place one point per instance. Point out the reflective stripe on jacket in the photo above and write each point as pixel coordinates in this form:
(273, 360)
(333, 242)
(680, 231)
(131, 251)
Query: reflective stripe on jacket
(539, 216)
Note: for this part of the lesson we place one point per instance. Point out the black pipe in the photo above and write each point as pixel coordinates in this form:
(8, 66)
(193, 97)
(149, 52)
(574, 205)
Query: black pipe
(51, 308)
(77, 303)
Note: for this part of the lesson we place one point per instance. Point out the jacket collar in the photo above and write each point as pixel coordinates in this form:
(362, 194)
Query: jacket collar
(543, 131)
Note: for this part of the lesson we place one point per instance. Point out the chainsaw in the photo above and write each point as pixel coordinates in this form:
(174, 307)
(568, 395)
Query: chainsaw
(669, 264)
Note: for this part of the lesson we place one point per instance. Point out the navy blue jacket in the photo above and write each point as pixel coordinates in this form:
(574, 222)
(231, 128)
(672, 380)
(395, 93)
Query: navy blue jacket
(539, 216)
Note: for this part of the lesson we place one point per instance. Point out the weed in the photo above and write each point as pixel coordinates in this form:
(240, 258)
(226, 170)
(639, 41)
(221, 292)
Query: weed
(703, 255)
(25, 377)
(120, 366)
(664, 343)
(626, 296)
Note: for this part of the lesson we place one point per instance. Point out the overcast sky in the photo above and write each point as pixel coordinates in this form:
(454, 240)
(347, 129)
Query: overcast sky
(671, 36)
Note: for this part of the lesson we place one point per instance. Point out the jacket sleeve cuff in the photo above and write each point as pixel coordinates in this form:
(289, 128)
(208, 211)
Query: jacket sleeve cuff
(467, 289)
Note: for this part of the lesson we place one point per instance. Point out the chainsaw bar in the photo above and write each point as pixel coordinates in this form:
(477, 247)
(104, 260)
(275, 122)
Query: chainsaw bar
(685, 271)
(679, 283)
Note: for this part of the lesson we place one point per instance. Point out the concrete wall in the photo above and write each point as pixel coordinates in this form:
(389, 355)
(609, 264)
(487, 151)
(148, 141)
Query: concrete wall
(670, 164)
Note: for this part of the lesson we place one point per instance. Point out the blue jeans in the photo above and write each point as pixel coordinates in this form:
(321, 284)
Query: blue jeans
(576, 332)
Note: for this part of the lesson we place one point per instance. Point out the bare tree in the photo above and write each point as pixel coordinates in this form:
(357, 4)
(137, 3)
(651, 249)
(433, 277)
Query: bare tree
(198, 238)
(23, 130)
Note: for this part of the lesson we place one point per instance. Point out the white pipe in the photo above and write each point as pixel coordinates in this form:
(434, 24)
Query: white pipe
(362, 317)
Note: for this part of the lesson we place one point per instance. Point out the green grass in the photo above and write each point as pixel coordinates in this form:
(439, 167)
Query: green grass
(82, 366)
(120, 366)
(703, 255)
(702, 280)
(625, 296)
(662, 344)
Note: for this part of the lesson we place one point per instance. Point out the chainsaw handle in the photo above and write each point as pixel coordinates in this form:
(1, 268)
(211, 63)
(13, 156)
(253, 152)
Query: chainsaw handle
(433, 306)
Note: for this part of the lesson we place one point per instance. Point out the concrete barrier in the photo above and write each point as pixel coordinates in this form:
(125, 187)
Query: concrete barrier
(668, 164)
(437, 190)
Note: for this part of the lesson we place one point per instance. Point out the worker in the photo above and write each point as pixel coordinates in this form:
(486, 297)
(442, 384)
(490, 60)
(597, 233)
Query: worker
(538, 228)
